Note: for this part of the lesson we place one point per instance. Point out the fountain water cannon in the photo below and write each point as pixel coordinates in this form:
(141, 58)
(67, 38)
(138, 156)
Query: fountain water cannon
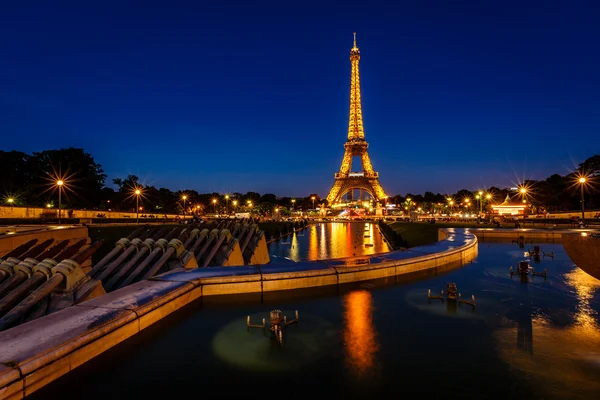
(469, 302)
(177, 246)
(119, 247)
(22, 271)
(144, 248)
(522, 269)
(276, 319)
(7, 266)
(191, 237)
(71, 272)
(278, 323)
(222, 236)
(211, 238)
(66, 275)
(550, 254)
(17, 251)
(186, 256)
(160, 246)
(133, 245)
(250, 325)
(430, 297)
(533, 273)
(172, 248)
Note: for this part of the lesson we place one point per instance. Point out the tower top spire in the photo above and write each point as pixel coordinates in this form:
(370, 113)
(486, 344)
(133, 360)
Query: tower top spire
(354, 51)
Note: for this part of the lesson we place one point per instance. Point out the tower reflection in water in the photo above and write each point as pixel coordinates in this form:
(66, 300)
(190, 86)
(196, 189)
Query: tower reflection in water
(359, 332)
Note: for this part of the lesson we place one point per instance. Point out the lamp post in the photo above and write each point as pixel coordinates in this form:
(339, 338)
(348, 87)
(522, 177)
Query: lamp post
(10, 201)
(137, 192)
(293, 202)
(215, 204)
(582, 181)
(234, 202)
(184, 198)
(227, 204)
(488, 197)
(60, 184)
(313, 200)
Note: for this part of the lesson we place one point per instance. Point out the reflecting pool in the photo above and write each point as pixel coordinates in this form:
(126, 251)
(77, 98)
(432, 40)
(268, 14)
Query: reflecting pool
(329, 240)
(534, 338)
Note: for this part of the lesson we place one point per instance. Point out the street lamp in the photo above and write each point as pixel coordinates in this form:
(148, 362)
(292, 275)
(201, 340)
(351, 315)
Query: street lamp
(60, 184)
(234, 205)
(582, 181)
(10, 201)
(184, 198)
(227, 204)
(215, 204)
(313, 200)
(293, 202)
(137, 193)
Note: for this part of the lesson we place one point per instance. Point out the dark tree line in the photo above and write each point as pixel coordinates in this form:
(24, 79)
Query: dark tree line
(555, 193)
(30, 179)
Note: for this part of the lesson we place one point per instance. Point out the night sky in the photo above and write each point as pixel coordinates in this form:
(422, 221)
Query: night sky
(252, 95)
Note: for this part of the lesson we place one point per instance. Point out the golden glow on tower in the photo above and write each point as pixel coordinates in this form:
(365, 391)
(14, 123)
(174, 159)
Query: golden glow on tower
(356, 145)
(355, 125)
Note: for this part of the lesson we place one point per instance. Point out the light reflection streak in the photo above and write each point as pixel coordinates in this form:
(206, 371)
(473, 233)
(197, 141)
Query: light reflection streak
(359, 332)
(294, 251)
(323, 242)
(313, 253)
(567, 356)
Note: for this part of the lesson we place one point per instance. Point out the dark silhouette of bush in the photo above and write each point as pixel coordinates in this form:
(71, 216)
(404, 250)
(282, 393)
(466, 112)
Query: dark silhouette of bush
(392, 236)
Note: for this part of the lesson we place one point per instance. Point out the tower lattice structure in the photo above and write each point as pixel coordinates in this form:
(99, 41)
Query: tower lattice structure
(356, 145)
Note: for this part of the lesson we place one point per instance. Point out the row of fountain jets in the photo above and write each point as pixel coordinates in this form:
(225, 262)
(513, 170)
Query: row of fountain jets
(38, 279)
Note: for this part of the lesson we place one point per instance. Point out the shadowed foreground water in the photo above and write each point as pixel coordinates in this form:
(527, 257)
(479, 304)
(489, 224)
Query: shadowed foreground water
(532, 339)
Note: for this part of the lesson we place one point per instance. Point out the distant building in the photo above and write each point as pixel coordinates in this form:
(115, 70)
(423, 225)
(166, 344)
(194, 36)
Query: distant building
(509, 207)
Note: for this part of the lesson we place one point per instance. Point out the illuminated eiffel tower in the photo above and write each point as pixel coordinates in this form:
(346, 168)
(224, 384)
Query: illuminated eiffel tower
(345, 180)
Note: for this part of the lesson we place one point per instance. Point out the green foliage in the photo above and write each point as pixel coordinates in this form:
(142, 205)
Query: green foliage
(394, 237)
(30, 179)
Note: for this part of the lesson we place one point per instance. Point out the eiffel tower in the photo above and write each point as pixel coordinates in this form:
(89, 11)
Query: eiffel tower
(345, 180)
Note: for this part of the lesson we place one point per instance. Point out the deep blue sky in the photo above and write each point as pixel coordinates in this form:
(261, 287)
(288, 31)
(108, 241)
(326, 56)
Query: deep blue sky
(253, 95)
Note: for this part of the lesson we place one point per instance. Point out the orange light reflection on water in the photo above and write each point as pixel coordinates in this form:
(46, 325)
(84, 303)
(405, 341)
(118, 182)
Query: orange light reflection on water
(359, 332)
(562, 357)
(313, 251)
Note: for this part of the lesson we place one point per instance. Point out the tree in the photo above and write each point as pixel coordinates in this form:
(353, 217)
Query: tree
(591, 166)
(268, 198)
(16, 175)
(83, 176)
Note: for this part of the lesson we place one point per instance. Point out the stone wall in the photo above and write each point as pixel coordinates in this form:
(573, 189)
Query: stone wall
(38, 212)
